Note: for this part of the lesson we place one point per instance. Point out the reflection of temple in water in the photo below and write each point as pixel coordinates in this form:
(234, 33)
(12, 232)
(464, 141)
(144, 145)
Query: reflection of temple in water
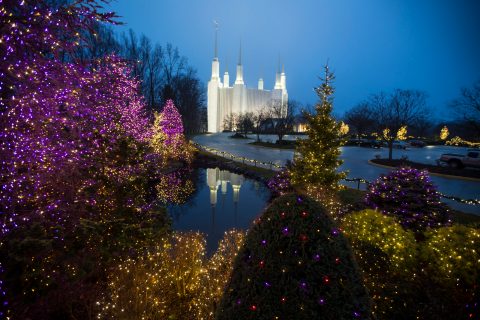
(220, 178)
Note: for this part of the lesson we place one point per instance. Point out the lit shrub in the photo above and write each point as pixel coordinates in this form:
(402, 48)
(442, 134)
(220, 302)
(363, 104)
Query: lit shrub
(175, 280)
(409, 195)
(372, 228)
(295, 264)
(280, 183)
(451, 272)
(387, 256)
(453, 254)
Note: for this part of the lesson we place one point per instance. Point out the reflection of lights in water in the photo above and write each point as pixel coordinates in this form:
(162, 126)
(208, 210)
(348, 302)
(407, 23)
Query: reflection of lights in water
(175, 187)
(429, 147)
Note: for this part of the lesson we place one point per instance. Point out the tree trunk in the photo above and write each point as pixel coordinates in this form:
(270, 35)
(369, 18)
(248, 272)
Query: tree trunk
(390, 149)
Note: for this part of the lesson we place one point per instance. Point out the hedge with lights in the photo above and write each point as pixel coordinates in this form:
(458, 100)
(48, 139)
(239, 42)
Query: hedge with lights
(295, 264)
(451, 260)
(173, 280)
(387, 256)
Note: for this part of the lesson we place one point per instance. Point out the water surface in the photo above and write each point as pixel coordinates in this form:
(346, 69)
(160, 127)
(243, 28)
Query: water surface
(222, 201)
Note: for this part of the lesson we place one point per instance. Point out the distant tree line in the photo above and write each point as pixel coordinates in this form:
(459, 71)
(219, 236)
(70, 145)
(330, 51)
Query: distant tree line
(384, 115)
(164, 73)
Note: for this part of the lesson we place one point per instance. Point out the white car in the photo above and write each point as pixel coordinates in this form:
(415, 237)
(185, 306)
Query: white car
(453, 160)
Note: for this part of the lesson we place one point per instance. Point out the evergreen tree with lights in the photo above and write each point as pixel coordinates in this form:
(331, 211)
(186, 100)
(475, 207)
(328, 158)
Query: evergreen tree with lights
(168, 139)
(316, 161)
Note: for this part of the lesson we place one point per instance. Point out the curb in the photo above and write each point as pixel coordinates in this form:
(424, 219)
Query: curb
(448, 176)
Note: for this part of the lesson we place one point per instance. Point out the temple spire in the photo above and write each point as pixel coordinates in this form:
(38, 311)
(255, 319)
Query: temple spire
(239, 79)
(240, 54)
(216, 37)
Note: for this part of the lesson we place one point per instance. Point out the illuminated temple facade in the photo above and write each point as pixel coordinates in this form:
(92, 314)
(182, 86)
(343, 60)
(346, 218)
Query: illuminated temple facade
(225, 99)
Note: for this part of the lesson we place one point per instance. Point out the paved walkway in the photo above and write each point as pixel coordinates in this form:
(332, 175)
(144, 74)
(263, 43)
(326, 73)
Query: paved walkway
(355, 161)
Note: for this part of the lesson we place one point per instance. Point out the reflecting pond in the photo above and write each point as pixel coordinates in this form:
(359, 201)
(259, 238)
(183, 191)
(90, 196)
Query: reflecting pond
(222, 200)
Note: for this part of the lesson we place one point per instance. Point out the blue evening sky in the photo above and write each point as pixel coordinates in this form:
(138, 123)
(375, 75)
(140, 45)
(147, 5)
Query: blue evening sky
(372, 45)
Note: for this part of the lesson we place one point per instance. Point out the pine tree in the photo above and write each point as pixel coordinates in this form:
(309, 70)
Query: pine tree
(171, 123)
(317, 158)
(168, 140)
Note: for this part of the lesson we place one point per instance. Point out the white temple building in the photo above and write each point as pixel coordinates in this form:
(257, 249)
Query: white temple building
(225, 99)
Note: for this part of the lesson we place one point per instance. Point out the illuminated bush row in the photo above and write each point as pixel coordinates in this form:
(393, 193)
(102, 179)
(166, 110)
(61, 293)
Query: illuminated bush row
(433, 278)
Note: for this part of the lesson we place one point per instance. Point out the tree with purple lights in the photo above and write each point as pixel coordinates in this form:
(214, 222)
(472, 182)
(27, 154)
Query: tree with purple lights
(63, 132)
(168, 139)
(60, 119)
(74, 149)
(35, 32)
(171, 123)
(410, 196)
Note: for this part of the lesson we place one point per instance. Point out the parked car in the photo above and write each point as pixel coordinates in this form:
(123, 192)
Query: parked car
(353, 142)
(400, 144)
(370, 144)
(417, 143)
(454, 160)
(367, 143)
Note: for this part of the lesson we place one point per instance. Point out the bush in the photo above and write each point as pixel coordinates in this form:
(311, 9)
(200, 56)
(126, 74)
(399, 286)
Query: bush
(53, 272)
(371, 228)
(295, 264)
(451, 272)
(453, 255)
(436, 278)
(174, 280)
(279, 184)
(409, 195)
(387, 256)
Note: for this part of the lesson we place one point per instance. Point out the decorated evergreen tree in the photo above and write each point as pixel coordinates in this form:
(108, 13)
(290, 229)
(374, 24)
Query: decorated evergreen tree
(171, 123)
(168, 139)
(316, 161)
